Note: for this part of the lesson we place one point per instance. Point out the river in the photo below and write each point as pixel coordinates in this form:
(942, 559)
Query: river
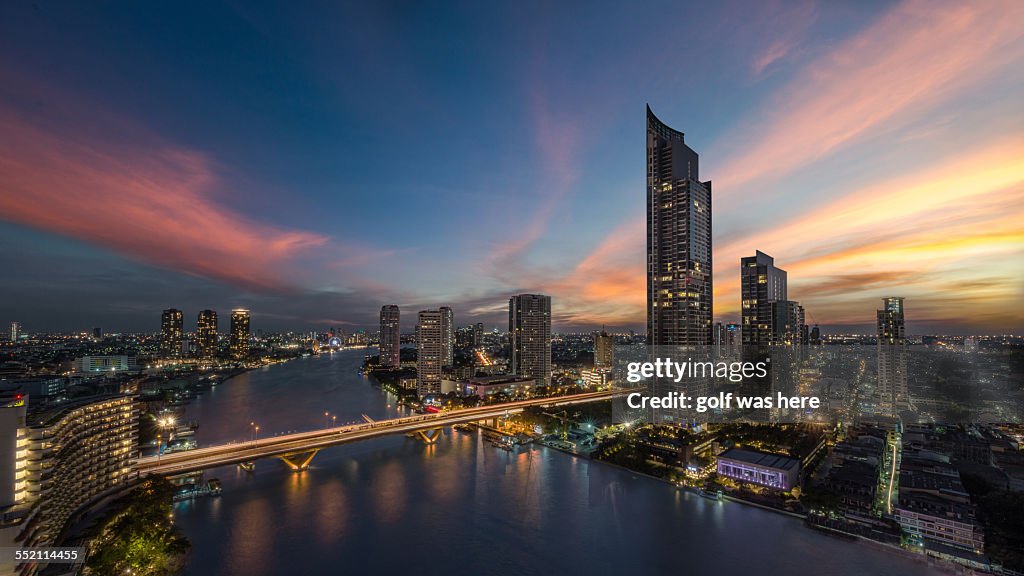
(397, 506)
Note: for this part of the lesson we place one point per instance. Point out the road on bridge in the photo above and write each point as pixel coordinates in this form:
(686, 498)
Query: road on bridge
(235, 453)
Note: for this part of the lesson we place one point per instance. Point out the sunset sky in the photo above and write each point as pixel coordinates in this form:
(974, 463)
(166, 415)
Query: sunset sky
(313, 164)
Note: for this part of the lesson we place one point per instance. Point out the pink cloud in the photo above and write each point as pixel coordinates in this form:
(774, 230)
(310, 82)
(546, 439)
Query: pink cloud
(137, 196)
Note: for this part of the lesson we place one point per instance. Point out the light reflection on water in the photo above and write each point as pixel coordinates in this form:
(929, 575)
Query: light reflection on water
(461, 506)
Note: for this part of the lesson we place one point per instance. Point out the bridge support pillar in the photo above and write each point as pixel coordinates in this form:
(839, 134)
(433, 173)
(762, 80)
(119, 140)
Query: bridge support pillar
(428, 436)
(298, 461)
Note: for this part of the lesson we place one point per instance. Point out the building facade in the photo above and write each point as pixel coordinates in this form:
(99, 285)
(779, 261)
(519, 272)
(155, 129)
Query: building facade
(679, 279)
(529, 332)
(761, 284)
(761, 468)
(206, 335)
(892, 357)
(390, 336)
(604, 350)
(429, 352)
(447, 336)
(240, 333)
(172, 326)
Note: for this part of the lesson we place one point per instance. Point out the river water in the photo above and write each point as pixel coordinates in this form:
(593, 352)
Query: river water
(397, 506)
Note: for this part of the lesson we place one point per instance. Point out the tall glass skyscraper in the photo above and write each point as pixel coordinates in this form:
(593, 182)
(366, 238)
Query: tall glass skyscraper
(206, 334)
(893, 394)
(529, 333)
(679, 306)
(240, 334)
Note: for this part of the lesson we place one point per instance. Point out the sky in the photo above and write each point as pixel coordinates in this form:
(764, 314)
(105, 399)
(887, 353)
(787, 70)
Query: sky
(315, 162)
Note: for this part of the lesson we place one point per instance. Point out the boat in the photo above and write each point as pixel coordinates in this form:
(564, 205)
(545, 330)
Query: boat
(190, 491)
(710, 495)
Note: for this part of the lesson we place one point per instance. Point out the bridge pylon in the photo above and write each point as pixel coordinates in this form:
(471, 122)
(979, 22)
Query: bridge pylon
(298, 461)
(428, 436)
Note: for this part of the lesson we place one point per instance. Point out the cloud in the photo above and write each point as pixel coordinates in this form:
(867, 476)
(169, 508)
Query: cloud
(130, 192)
(916, 55)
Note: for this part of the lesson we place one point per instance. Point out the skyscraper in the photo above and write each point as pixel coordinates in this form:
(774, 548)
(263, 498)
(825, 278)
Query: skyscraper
(892, 357)
(604, 350)
(478, 335)
(206, 335)
(679, 283)
(15, 331)
(239, 334)
(447, 336)
(429, 352)
(390, 337)
(171, 329)
(529, 332)
(761, 283)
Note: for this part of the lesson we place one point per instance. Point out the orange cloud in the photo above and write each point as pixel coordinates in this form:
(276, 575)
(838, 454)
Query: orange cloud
(918, 54)
(141, 198)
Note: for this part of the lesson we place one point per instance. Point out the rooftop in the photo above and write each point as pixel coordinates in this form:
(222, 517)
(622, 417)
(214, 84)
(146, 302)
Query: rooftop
(763, 459)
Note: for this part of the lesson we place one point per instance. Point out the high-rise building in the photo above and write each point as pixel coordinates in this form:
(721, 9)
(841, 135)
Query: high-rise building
(679, 281)
(429, 352)
(15, 331)
(63, 458)
(239, 342)
(390, 337)
(604, 350)
(787, 323)
(892, 357)
(171, 328)
(206, 335)
(529, 332)
(478, 335)
(761, 284)
(447, 336)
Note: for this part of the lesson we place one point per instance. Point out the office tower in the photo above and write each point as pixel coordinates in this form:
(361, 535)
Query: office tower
(679, 283)
(239, 342)
(786, 323)
(15, 331)
(761, 283)
(478, 335)
(206, 335)
(429, 352)
(529, 332)
(390, 337)
(604, 350)
(171, 328)
(447, 336)
(97, 332)
(892, 357)
(815, 335)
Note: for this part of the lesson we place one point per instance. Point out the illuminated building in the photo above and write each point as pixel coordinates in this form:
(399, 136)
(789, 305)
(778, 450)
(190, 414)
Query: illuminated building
(478, 335)
(892, 357)
(15, 331)
(761, 284)
(604, 350)
(529, 332)
(761, 468)
(171, 330)
(65, 457)
(88, 364)
(429, 352)
(390, 336)
(240, 333)
(447, 336)
(679, 280)
(206, 335)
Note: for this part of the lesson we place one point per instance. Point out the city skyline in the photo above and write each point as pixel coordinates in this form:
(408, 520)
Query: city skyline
(860, 148)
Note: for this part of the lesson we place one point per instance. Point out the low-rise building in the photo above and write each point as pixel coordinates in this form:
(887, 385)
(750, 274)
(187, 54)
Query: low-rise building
(762, 468)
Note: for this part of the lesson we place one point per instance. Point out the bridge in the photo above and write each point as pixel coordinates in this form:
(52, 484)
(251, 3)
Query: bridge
(297, 450)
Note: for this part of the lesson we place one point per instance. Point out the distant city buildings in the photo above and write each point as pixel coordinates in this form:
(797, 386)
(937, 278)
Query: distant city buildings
(240, 333)
(679, 280)
(15, 331)
(478, 335)
(390, 336)
(767, 314)
(430, 351)
(604, 350)
(892, 357)
(171, 332)
(206, 335)
(529, 332)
